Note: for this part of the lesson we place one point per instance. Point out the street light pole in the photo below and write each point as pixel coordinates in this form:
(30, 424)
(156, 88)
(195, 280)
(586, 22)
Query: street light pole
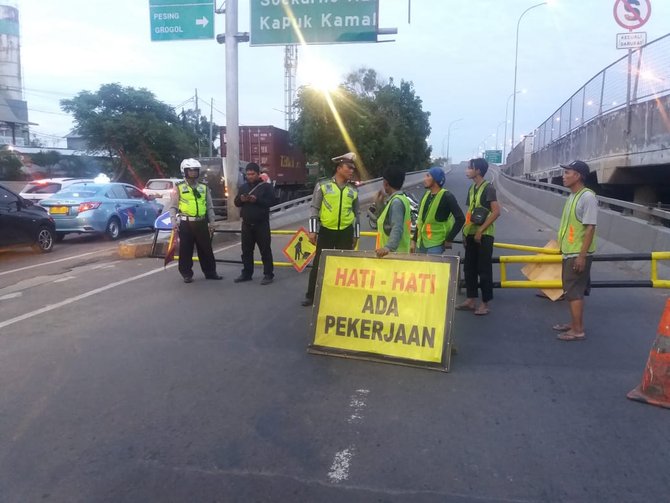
(516, 61)
(506, 121)
(449, 137)
(497, 135)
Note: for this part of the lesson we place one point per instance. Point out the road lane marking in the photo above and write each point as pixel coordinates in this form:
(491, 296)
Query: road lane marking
(11, 296)
(66, 278)
(93, 292)
(48, 263)
(339, 470)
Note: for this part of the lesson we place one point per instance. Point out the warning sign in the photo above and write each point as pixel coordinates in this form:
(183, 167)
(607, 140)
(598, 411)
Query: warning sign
(396, 309)
(299, 251)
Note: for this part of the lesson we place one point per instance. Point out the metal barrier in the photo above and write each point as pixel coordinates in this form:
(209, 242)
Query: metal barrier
(552, 256)
(546, 256)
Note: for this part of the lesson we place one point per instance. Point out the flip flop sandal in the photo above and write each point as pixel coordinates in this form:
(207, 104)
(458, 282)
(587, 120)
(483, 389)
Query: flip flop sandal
(482, 312)
(464, 307)
(571, 337)
(562, 327)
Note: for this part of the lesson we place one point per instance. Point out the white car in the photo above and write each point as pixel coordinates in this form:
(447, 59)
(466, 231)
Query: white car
(162, 189)
(39, 190)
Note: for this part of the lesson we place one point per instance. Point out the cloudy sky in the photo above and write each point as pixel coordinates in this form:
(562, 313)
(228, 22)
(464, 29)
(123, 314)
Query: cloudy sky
(459, 54)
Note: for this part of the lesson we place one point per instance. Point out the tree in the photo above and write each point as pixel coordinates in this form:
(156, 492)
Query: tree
(385, 123)
(201, 128)
(10, 165)
(142, 135)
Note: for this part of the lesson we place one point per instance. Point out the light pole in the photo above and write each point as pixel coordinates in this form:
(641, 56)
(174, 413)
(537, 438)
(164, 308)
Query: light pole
(449, 137)
(497, 135)
(506, 121)
(516, 61)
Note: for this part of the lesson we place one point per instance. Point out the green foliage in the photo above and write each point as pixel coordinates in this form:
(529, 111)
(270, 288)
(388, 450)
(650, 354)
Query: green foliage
(386, 124)
(10, 165)
(200, 127)
(142, 135)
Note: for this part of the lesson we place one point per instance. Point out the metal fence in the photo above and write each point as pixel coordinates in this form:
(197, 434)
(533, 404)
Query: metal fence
(608, 91)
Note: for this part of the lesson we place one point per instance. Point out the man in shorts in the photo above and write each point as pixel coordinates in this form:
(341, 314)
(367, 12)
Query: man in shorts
(577, 239)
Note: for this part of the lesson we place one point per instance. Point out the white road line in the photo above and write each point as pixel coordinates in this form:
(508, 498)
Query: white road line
(11, 296)
(339, 470)
(93, 292)
(61, 280)
(505, 208)
(49, 263)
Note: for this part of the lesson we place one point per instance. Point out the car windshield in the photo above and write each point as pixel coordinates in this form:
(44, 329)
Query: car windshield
(78, 192)
(159, 185)
(41, 188)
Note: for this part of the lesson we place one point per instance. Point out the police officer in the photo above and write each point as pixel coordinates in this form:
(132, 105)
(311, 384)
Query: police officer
(333, 222)
(395, 222)
(191, 210)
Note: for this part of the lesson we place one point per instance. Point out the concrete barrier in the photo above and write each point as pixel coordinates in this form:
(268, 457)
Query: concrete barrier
(616, 233)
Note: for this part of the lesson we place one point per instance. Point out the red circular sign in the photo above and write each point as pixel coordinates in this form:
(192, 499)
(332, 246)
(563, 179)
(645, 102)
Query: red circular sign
(632, 14)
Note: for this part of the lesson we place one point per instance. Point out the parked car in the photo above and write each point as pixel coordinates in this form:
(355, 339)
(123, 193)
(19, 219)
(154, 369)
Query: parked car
(24, 223)
(37, 190)
(162, 189)
(101, 208)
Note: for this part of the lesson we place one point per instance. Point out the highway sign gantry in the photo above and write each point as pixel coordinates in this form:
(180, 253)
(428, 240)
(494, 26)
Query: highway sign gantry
(493, 156)
(181, 19)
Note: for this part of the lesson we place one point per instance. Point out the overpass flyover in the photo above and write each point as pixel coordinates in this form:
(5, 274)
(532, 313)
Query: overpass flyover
(621, 129)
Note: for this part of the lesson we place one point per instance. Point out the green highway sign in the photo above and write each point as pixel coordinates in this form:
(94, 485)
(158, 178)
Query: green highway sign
(282, 22)
(494, 156)
(181, 19)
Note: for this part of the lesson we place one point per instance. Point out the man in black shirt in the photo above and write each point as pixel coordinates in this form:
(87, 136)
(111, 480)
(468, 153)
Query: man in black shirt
(440, 216)
(255, 198)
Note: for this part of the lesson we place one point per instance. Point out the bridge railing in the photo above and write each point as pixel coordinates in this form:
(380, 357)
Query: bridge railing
(608, 91)
(658, 214)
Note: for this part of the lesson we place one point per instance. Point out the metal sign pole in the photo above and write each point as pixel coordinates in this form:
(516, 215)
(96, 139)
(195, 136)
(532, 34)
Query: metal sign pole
(232, 109)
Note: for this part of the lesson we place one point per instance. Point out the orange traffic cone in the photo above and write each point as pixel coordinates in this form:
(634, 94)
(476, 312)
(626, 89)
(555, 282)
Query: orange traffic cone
(655, 386)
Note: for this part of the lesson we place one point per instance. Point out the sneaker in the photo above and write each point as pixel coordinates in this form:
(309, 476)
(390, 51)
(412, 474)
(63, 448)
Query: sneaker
(188, 279)
(307, 302)
(241, 279)
(214, 276)
(266, 280)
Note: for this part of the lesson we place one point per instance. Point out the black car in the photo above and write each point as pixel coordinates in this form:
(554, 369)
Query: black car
(24, 223)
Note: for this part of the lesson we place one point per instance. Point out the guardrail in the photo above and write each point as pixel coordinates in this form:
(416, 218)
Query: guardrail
(653, 214)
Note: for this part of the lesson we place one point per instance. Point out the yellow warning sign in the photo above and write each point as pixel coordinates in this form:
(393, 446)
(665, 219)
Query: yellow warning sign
(299, 251)
(391, 309)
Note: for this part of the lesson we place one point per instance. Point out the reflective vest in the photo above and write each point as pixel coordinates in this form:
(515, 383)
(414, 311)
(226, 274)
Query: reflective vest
(383, 237)
(571, 231)
(431, 232)
(189, 204)
(474, 199)
(337, 207)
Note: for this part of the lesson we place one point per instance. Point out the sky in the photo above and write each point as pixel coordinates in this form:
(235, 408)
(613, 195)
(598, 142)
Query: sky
(458, 54)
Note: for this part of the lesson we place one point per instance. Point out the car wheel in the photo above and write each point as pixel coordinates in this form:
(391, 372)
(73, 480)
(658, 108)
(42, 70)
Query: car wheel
(44, 242)
(60, 236)
(113, 228)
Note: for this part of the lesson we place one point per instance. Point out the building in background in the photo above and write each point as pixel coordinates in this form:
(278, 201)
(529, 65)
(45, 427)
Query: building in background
(13, 109)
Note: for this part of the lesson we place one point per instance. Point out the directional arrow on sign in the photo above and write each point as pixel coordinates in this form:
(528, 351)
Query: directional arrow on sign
(202, 21)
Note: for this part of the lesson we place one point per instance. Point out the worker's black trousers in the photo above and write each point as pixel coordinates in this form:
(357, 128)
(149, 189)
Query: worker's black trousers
(195, 234)
(252, 235)
(328, 239)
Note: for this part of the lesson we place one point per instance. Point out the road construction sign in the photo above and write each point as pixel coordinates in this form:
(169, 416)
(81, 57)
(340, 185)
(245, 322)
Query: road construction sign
(299, 251)
(398, 309)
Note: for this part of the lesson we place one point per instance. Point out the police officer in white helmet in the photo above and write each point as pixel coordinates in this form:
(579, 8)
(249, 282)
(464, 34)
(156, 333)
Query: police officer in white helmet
(192, 214)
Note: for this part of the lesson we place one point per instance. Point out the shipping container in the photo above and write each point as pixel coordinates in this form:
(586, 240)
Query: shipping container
(271, 149)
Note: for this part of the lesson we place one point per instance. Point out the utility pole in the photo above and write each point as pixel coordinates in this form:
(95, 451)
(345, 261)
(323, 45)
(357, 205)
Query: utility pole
(211, 127)
(197, 121)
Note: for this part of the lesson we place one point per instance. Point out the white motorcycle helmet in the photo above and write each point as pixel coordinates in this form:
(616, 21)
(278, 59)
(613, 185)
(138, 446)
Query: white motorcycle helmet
(189, 164)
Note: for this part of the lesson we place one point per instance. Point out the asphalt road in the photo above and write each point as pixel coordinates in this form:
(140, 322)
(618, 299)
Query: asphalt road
(120, 383)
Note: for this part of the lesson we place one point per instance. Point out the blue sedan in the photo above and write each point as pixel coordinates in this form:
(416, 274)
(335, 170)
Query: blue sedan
(101, 208)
